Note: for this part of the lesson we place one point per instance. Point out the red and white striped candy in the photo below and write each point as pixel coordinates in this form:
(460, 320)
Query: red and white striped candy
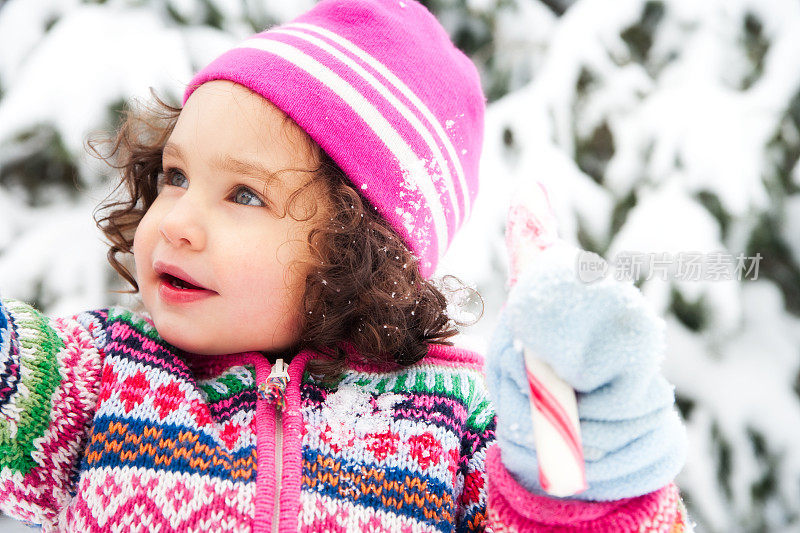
(531, 228)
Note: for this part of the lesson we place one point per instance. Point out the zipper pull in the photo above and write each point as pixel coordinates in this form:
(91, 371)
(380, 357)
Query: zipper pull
(274, 388)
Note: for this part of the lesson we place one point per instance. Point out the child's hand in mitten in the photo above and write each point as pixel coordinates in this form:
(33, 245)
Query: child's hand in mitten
(604, 341)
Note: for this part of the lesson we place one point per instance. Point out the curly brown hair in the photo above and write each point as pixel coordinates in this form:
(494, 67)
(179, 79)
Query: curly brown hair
(364, 297)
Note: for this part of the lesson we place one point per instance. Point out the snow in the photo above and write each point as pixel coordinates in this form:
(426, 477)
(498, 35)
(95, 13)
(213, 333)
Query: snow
(748, 383)
(792, 223)
(709, 131)
(681, 124)
(694, 117)
(58, 85)
(203, 44)
(62, 251)
(22, 25)
(666, 220)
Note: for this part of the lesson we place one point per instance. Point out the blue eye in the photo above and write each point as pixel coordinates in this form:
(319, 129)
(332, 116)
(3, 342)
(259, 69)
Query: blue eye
(168, 178)
(248, 195)
(242, 195)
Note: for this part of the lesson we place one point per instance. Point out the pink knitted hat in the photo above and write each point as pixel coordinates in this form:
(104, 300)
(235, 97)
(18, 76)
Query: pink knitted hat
(380, 87)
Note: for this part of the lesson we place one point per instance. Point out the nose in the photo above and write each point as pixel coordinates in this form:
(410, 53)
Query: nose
(183, 225)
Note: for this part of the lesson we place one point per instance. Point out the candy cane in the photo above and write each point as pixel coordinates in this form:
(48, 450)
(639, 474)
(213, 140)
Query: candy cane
(531, 229)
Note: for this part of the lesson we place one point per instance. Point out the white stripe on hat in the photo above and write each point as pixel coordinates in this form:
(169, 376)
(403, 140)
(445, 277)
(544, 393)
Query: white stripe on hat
(420, 128)
(371, 116)
(406, 91)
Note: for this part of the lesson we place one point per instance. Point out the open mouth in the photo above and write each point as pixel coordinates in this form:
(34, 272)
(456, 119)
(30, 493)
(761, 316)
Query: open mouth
(178, 283)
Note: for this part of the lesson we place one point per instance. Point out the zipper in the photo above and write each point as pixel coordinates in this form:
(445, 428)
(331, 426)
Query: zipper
(276, 509)
(273, 390)
(274, 387)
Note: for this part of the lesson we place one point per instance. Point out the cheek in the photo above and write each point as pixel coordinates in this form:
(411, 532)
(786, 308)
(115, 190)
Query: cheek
(138, 245)
(142, 238)
(268, 280)
(272, 287)
(137, 241)
(145, 240)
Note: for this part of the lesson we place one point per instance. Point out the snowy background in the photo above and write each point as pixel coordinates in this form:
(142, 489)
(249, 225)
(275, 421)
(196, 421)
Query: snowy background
(660, 126)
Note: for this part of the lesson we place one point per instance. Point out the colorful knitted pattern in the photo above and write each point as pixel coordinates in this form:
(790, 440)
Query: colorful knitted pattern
(106, 427)
(404, 448)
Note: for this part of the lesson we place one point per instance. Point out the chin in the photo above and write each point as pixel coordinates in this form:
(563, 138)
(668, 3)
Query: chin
(182, 344)
(190, 345)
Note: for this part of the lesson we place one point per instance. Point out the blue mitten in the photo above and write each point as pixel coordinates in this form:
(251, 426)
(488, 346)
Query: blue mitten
(604, 340)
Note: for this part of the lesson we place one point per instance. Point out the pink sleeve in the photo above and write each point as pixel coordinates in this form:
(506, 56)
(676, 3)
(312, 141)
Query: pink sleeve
(510, 507)
(48, 390)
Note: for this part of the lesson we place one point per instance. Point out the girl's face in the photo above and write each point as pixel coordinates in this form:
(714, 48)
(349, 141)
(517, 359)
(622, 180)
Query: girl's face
(220, 220)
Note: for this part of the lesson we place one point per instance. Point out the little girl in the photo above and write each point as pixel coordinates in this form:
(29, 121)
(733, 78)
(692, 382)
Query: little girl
(293, 211)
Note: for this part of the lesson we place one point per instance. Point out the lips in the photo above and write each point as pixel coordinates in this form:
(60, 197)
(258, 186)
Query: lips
(173, 273)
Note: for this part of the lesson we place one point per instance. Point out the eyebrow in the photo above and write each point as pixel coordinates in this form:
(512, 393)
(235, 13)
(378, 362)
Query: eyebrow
(229, 163)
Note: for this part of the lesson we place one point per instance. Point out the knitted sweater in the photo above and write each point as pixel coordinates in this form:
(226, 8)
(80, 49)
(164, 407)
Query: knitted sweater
(104, 426)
